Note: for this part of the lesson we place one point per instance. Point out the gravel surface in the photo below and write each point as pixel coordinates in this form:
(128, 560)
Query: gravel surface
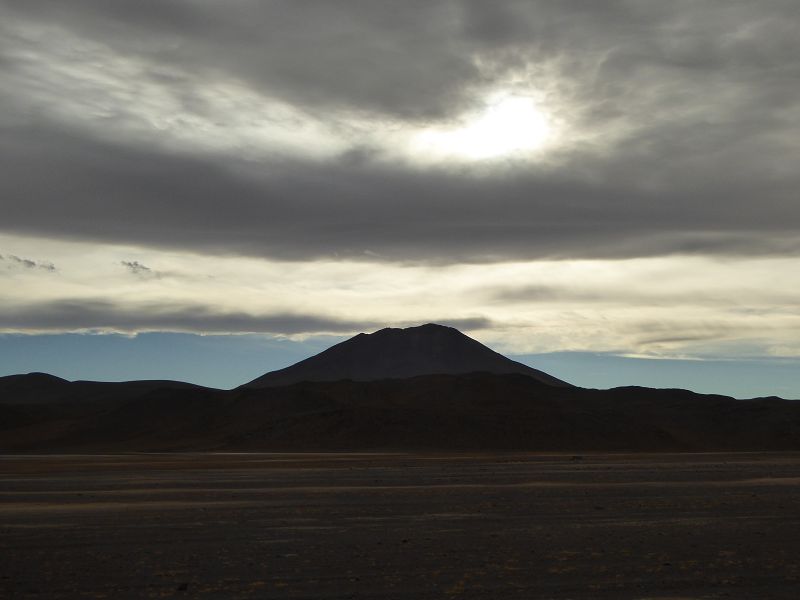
(595, 526)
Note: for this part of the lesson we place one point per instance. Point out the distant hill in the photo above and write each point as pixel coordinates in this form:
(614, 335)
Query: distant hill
(473, 412)
(41, 388)
(399, 354)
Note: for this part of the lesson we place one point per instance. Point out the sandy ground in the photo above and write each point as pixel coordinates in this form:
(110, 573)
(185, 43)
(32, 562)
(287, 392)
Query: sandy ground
(400, 526)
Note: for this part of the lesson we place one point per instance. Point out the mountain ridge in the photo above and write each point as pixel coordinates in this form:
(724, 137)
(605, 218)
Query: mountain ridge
(515, 408)
(443, 413)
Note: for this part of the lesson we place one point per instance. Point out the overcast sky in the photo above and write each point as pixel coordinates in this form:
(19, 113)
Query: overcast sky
(567, 175)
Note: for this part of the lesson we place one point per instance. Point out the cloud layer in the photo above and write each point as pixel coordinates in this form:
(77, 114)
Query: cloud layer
(657, 307)
(281, 168)
(91, 314)
(282, 129)
(102, 315)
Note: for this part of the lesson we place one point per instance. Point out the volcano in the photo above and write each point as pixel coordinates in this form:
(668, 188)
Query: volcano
(401, 354)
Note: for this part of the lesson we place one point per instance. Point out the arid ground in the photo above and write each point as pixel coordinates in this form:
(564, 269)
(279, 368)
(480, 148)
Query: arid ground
(595, 526)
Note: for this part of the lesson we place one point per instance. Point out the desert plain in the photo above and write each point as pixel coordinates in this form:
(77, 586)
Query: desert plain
(394, 525)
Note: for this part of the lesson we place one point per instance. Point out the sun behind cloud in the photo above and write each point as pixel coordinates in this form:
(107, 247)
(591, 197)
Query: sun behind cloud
(509, 124)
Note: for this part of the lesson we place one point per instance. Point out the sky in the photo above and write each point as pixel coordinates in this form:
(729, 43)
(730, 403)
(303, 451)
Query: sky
(191, 189)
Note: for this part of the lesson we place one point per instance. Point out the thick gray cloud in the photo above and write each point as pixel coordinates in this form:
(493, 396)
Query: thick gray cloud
(694, 109)
(72, 315)
(105, 315)
(782, 296)
(406, 59)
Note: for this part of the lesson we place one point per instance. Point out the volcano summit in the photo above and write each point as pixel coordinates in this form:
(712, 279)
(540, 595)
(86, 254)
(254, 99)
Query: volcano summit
(400, 354)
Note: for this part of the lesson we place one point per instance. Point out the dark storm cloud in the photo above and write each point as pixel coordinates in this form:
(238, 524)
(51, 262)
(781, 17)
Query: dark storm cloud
(694, 105)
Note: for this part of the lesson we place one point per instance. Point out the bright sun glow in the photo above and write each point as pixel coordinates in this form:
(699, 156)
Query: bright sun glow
(508, 125)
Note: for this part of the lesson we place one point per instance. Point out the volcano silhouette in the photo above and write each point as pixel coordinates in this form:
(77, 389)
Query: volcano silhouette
(401, 354)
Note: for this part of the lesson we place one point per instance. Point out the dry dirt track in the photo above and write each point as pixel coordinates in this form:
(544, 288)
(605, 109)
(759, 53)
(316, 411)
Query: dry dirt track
(678, 526)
